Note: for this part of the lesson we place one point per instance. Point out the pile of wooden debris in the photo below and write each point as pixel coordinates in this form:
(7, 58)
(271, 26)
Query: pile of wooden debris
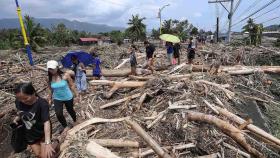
(215, 108)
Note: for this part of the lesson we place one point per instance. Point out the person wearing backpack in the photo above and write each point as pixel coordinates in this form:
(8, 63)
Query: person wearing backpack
(33, 116)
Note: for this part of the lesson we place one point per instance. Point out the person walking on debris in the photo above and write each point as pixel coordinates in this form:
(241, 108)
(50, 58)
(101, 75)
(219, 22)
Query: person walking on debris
(62, 88)
(80, 74)
(150, 49)
(34, 118)
(176, 49)
(169, 49)
(133, 61)
(191, 50)
(96, 72)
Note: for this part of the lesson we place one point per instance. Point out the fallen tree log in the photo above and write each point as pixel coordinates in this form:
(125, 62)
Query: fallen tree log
(141, 78)
(117, 85)
(227, 128)
(250, 127)
(80, 126)
(209, 156)
(120, 101)
(98, 151)
(148, 139)
(127, 60)
(236, 150)
(117, 143)
(122, 64)
(211, 106)
(177, 147)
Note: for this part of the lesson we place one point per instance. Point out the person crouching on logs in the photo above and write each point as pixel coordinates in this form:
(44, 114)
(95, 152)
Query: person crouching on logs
(33, 117)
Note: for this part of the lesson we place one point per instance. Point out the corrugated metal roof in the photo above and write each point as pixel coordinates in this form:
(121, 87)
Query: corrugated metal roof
(89, 39)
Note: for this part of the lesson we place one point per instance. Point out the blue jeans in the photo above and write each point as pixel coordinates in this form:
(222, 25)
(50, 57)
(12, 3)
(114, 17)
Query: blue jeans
(170, 57)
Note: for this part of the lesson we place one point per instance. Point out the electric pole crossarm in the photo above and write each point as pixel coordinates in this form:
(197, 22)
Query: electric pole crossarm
(218, 1)
(224, 7)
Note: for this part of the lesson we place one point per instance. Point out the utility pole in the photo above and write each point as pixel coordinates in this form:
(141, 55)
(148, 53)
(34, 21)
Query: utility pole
(230, 20)
(217, 30)
(159, 16)
(230, 13)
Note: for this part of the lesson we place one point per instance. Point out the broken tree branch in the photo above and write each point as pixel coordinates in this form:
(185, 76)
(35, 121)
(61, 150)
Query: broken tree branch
(98, 151)
(120, 101)
(80, 126)
(227, 128)
(250, 127)
(227, 92)
(211, 106)
(117, 84)
(236, 150)
(148, 139)
(117, 143)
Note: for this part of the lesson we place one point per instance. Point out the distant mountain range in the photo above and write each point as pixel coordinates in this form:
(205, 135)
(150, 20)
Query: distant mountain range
(73, 25)
(272, 28)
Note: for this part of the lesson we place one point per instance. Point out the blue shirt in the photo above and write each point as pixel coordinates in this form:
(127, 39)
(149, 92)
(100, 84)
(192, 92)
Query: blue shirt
(169, 49)
(97, 70)
(61, 91)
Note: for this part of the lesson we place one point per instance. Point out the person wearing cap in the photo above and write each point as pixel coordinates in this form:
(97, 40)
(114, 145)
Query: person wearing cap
(62, 88)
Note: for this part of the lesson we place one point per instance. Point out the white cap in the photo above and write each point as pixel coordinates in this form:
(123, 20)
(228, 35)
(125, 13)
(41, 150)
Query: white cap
(52, 64)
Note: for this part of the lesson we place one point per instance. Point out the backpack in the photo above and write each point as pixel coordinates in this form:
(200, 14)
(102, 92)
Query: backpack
(18, 140)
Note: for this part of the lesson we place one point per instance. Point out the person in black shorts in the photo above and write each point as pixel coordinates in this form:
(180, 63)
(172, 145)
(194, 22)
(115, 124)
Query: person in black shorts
(150, 49)
(191, 51)
(176, 54)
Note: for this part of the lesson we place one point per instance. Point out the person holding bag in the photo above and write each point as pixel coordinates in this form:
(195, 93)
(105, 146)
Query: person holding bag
(33, 123)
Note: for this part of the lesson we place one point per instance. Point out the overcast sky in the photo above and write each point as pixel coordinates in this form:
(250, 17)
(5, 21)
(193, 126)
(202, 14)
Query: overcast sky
(117, 12)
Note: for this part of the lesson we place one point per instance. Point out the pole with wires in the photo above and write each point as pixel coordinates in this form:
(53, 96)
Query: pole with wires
(230, 20)
(230, 13)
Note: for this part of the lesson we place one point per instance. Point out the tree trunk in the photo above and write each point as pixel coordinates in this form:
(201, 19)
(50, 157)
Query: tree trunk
(117, 143)
(250, 127)
(98, 151)
(148, 139)
(120, 101)
(227, 128)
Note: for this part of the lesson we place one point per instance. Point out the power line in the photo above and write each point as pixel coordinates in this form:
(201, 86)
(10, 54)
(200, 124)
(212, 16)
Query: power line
(236, 6)
(260, 15)
(267, 12)
(263, 7)
(250, 7)
(270, 20)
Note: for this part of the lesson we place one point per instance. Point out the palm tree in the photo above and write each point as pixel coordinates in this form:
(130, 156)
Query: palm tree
(35, 33)
(61, 35)
(137, 29)
(167, 27)
(255, 31)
